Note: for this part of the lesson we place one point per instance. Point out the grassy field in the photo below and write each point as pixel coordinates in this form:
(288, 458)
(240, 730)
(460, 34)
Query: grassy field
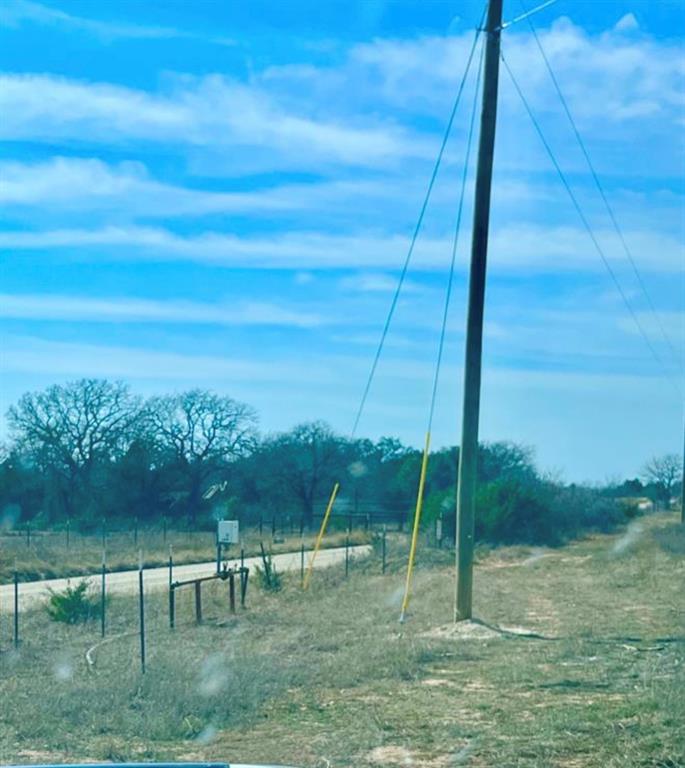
(47, 556)
(330, 679)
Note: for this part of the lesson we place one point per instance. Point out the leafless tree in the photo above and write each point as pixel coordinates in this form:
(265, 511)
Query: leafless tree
(665, 472)
(68, 429)
(200, 430)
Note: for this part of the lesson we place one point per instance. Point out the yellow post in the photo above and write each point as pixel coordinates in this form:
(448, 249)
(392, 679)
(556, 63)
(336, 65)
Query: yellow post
(417, 520)
(319, 538)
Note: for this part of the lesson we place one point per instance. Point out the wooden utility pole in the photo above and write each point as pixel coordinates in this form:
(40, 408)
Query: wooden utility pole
(682, 490)
(468, 453)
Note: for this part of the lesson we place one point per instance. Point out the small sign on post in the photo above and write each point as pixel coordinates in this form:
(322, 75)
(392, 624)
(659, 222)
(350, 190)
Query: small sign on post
(228, 532)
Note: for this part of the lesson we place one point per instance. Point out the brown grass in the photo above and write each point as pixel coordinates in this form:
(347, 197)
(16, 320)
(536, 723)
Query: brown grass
(331, 678)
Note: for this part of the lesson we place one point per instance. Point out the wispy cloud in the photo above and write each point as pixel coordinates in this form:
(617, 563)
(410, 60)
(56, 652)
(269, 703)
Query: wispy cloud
(14, 13)
(208, 111)
(525, 247)
(128, 309)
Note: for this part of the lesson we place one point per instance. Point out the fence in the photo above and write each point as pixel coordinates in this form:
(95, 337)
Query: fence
(235, 576)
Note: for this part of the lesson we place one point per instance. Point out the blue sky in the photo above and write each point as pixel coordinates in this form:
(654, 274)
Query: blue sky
(221, 195)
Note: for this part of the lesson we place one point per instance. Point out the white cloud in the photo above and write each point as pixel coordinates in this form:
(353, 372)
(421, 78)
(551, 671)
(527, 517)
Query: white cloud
(377, 282)
(14, 13)
(626, 23)
(209, 111)
(30, 354)
(131, 310)
(527, 247)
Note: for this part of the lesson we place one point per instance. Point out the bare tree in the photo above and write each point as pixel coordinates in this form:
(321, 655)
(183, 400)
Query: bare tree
(68, 429)
(200, 430)
(302, 464)
(665, 472)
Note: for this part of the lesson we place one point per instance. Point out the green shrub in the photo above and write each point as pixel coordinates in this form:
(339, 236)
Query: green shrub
(73, 605)
(268, 577)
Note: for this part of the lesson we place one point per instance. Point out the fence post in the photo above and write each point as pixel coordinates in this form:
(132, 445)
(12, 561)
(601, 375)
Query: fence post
(135, 530)
(273, 527)
(28, 534)
(141, 605)
(383, 549)
(231, 590)
(172, 606)
(68, 530)
(16, 609)
(104, 534)
(245, 572)
(260, 525)
(347, 556)
(302, 563)
(164, 529)
(198, 602)
(102, 595)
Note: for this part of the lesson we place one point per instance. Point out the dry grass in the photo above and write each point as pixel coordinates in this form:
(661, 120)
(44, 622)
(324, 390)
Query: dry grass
(47, 556)
(330, 677)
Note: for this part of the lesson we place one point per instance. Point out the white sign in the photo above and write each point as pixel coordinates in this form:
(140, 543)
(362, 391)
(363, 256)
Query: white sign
(227, 532)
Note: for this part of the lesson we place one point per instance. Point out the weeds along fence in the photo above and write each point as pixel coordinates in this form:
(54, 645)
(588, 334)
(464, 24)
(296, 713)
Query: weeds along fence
(166, 599)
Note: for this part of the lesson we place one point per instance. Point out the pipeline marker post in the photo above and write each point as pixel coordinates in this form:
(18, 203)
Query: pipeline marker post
(415, 530)
(141, 605)
(103, 596)
(16, 609)
(319, 538)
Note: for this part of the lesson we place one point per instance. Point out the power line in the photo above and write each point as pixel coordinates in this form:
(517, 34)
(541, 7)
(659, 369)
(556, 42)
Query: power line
(441, 345)
(598, 183)
(417, 228)
(455, 243)
(586, 223)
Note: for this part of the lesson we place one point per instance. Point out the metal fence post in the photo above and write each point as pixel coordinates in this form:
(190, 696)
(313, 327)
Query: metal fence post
(172, 606)
(347, 556)
(141, 593)
(102, 595)
(302, 564)
(198, 602)
(383, 549)
(243, 585)
(16, 609)
(231, 590)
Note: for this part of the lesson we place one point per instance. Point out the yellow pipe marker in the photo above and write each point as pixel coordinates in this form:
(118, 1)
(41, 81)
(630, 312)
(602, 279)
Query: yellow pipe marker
(415, 532)
(319, 538)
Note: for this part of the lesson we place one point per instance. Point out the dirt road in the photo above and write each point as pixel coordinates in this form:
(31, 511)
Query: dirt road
(124, 582)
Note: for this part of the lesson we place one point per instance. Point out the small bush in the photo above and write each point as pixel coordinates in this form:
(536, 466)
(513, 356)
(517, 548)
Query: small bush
(73, 605)
(268, 577)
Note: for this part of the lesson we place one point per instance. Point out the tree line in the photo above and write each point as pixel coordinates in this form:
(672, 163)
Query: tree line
(90, 449)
